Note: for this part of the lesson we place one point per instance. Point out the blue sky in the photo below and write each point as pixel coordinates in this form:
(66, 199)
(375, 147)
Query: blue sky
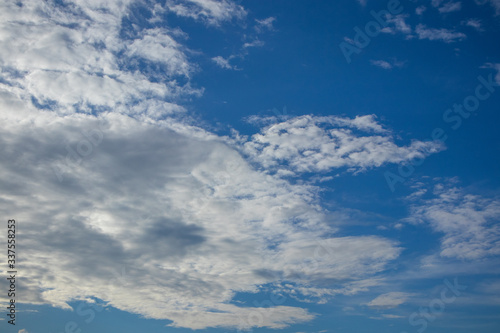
(265, 166)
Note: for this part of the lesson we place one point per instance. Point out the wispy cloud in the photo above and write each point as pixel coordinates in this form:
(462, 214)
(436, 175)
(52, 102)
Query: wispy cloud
(390, 64)
(466, 221)
(474, 23)
(210, 11)
(381, 63)
(265, 24)
(420, 10)
(450, 7)
(392, 316)
(255, 43)
(398, 24)
(445, 35)
(222, 62)
(390, 300)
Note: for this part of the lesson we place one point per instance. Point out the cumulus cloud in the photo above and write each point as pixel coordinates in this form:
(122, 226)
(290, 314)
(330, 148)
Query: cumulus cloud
(312, 144)
(466, 221)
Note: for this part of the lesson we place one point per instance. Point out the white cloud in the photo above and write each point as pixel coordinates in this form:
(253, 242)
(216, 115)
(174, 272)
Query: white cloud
(391, 316)
(436, 3)
(213, 12)
(420, 10)
(265, 24)
(466, 221)
(312, 144)
(444, 35)
(75, 69)
(255, 43)
(117, 191)
(222, 62)
(450, 7)
(140, 174)
(390, 300)
(399, 24)
(157, 46)
(206, 225)
(381, 63)
(387, 64)
(321, 295)
(22, 331)
(474, 23)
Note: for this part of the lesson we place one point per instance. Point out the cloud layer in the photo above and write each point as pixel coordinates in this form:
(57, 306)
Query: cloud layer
(191, 217)
(112, 183)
